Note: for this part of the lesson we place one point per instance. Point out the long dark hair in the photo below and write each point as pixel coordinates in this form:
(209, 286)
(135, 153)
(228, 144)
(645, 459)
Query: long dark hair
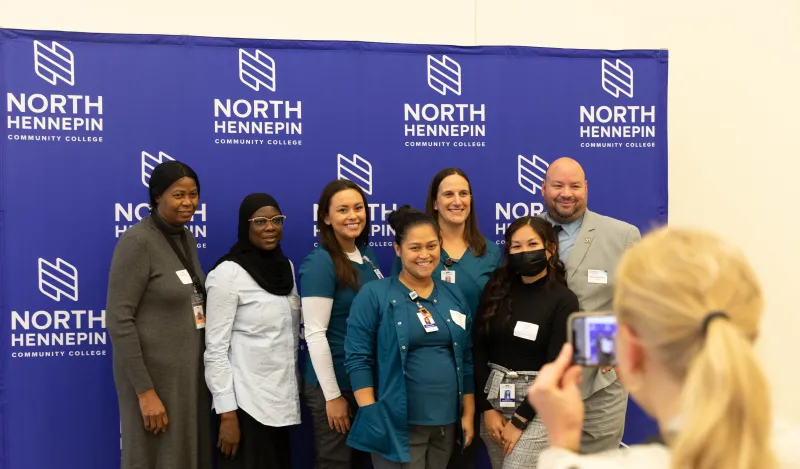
(472, 234)
(496, 298)
(346, 273)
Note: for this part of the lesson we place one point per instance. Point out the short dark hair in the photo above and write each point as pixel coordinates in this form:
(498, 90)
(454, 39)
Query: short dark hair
(165, 174)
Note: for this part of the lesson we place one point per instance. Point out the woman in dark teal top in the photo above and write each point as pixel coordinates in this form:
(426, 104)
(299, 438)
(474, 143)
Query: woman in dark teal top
(330, 277)
(409, 357)
(467, 260)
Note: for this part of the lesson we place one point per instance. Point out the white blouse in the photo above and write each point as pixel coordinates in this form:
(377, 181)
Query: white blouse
(251, 347)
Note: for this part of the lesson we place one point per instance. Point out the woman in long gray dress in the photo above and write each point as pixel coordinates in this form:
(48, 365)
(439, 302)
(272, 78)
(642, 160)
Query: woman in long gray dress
(155, 319)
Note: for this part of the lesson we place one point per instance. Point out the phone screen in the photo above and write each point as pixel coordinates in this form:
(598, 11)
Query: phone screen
(594, 339)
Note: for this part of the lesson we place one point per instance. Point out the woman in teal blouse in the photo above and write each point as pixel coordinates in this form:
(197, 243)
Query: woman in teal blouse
(330, 277)
(409, 357)
(468, 259)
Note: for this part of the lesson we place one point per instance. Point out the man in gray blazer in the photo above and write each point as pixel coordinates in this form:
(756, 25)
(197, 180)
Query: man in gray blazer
(591, 246)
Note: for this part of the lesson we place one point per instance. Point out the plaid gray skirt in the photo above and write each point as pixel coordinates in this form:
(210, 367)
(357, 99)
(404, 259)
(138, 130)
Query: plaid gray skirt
(533, 440)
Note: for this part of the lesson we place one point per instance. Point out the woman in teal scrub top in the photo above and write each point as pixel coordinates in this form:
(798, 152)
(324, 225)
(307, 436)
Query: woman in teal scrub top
(330, 277)
(468, 259)
(409, 357)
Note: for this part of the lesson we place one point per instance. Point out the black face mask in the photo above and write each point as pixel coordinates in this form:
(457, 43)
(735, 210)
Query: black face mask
(528, 263)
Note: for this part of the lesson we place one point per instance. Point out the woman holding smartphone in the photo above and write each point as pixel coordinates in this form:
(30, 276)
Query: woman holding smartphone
(687, 307)
(409, 357)
(520, 326)
(330, 277)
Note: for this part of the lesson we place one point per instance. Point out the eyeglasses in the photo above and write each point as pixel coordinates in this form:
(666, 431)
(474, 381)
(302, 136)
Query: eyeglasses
(261, 222)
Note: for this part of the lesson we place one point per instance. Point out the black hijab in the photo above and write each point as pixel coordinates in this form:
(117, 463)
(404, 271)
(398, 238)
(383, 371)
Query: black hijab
(270, 269)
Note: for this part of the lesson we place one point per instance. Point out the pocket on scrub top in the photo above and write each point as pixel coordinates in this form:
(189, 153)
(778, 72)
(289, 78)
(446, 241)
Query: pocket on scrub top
(370, 430)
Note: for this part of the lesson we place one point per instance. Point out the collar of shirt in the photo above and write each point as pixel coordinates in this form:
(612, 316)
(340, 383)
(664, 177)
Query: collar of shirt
(571, 228)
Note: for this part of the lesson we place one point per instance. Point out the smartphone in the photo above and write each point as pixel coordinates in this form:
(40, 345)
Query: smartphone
(594, 339)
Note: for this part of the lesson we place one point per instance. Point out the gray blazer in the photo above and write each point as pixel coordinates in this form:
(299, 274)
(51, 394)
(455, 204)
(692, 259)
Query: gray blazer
(598, 246)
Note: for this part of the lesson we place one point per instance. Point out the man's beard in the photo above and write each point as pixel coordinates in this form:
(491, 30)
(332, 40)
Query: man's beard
(565, 215)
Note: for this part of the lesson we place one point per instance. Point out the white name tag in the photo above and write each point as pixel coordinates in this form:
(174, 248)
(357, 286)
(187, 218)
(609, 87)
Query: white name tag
(598, 276)
(186, 279)
(508, 395)
(459, 318)
(526, 330)
(449, 276)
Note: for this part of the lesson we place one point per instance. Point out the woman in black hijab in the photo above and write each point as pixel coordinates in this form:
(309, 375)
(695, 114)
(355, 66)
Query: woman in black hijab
(252, 333)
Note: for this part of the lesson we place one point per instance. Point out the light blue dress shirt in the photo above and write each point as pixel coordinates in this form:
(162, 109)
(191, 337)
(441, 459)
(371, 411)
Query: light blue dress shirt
(567, 236)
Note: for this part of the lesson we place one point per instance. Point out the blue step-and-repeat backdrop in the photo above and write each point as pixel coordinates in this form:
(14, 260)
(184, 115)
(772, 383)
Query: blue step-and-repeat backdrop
(87, 116)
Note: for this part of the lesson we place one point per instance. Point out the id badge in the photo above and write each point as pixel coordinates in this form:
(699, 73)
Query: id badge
(198, 311)
(508, 395)
(426, 319)
(449, 276)
(378, 274)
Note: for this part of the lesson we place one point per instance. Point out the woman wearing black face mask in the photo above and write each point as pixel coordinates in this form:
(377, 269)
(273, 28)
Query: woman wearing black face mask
(521, 325)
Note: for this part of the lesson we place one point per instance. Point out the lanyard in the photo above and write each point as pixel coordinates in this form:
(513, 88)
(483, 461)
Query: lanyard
(374, 269)
(186, 262)
(366, 259)
(414, 296)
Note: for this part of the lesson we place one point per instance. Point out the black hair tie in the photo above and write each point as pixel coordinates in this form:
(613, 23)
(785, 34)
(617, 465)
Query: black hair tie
(710, 317)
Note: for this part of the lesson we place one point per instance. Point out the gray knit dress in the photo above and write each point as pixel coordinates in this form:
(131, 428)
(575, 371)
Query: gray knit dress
(156, 345)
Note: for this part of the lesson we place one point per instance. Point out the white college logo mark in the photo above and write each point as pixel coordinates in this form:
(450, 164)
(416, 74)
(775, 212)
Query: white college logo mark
(58, 279)
(617, 78)
(54, 63)
(256, 70)
(149, 163)
(530, 173)
(444, 74)
(355, 169)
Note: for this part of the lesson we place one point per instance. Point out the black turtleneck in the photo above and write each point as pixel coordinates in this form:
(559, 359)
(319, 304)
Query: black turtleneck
(547, 306)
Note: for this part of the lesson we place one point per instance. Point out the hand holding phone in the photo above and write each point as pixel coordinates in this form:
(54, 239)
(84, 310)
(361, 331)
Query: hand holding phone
(593, 337)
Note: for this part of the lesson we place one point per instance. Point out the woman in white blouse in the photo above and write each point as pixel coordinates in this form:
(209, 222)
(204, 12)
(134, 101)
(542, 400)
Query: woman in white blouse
(688, 307)
(252, 332)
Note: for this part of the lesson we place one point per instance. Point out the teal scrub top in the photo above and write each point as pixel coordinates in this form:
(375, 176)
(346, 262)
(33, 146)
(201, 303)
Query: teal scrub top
(472, 272)
(318, 279)
(377, 348)
(431, 379)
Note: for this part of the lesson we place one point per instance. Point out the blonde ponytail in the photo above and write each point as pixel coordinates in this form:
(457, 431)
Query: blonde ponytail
(667, 285)
(725, 404)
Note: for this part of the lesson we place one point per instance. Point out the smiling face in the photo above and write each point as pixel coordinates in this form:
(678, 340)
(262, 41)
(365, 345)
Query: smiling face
(453, 200)
(266, 231)
(420, 251)
(347, 214)
(178, 203)
(565, 190)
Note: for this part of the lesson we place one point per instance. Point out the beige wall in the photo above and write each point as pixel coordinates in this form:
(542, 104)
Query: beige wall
(734, 96)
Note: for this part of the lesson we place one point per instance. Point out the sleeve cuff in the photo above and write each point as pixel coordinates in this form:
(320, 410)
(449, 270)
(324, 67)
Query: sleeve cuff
(225, 403)
(557, 458)
(526, 411)
(484, 405)
(143, 384)
(469, 384)
(361, 379)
